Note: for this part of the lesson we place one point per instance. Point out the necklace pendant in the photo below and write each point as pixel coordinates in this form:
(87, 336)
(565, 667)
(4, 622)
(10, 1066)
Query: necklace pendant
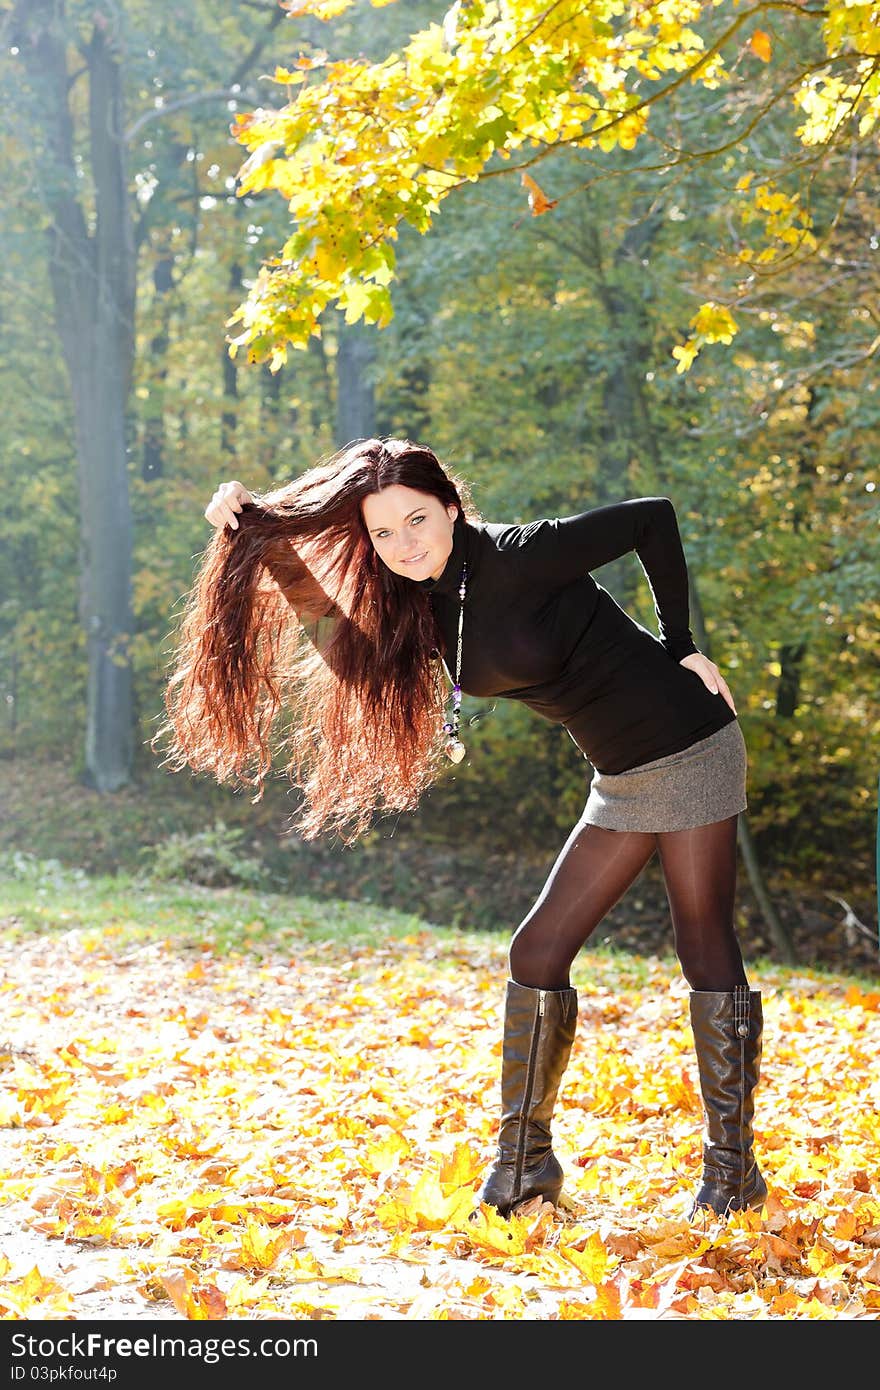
(455, 749)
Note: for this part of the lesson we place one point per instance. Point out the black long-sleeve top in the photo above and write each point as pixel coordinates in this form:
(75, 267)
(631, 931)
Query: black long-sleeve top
(538, 628)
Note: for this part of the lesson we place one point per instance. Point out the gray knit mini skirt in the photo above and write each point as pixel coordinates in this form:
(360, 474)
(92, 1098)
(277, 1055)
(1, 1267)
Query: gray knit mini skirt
(703, 783)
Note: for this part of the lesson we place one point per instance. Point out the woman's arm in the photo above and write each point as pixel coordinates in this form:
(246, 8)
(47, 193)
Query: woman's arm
(313, 607)
(566, 548)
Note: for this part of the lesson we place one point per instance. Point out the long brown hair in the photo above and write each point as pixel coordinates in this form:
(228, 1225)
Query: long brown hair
(353, 705)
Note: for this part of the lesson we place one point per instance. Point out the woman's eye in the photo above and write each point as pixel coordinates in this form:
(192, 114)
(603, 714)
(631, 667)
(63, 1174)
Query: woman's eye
(417, 519)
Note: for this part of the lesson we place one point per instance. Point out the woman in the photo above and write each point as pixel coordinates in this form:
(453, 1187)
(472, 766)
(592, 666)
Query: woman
(346, 599)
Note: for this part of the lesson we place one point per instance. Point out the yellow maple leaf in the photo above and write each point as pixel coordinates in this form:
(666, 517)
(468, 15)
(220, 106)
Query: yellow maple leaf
(202, 1302)
(384, 1157)
(480, 1286)
(605, 1307)
(685, 354)
(761, 46)
(591, 1257)
(814, 1308)
(869, 1001)
(571, 1310)
(821, 1260)
(846, 1225)
(487, 1229)
(305, 1266)
(427, 1207)
(260, 1247)
(87, 1226)
(316, 9)
(125, 1177)
(256, 162)
(784, 1303)
(715, 323)
(35, 1295)
(461, 1169)
(176, 1212)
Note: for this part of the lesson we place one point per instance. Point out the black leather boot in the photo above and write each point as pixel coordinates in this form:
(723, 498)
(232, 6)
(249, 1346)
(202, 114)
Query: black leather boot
(727, 1031)
(539, 1029)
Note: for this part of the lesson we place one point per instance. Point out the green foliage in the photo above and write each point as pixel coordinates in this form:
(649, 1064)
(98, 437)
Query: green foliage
(215, 857)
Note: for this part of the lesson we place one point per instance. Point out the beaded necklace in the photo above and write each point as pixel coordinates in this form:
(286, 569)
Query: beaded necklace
(455, 749)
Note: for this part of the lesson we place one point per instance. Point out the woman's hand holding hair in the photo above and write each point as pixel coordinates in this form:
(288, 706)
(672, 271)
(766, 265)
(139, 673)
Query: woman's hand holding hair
(227, 501)
(709, 675)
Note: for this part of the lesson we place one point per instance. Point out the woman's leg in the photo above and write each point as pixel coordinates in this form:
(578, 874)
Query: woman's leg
(592, 872)
(699, 868)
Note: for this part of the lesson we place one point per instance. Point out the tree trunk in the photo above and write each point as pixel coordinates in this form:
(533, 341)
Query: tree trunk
(92, 276)
(355, 401)
(788, 688)
(153, 462)
(624, 432)
(229, 415)
(778, 934)
(101, 434)
(105, 584)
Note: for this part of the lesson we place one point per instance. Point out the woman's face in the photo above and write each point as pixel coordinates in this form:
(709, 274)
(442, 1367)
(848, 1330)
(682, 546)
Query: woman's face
(411, 531)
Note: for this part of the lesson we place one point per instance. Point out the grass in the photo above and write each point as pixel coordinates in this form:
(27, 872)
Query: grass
(184, 858)
(46, 896)
(126, 911)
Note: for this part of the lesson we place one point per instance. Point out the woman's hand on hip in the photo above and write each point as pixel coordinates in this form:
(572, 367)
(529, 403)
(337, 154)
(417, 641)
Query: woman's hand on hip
(709, 675)
(227, 501)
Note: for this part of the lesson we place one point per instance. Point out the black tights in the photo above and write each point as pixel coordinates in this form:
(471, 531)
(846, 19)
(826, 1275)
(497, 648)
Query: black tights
(594, 870)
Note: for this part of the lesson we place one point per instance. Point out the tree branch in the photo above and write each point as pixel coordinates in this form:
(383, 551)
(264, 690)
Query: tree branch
(225, 94)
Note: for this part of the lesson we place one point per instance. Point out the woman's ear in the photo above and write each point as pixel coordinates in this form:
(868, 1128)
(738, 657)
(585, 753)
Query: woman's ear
(453, 511)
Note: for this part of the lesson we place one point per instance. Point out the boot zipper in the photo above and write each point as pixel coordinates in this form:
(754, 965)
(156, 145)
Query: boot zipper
(527, 1093)
(742, 1128)
(741, 1001)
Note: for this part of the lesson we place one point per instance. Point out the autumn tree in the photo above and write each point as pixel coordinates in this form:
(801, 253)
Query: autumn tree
(359, 149)
(76, 69)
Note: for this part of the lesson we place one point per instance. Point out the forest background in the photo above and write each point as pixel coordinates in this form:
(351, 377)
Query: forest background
(691, 311)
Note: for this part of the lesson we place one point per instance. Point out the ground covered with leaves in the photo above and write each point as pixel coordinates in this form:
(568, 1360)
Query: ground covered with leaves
(293, 1124)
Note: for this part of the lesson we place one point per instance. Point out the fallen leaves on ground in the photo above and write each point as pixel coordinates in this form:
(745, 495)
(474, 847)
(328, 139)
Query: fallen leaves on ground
(304, 1136)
